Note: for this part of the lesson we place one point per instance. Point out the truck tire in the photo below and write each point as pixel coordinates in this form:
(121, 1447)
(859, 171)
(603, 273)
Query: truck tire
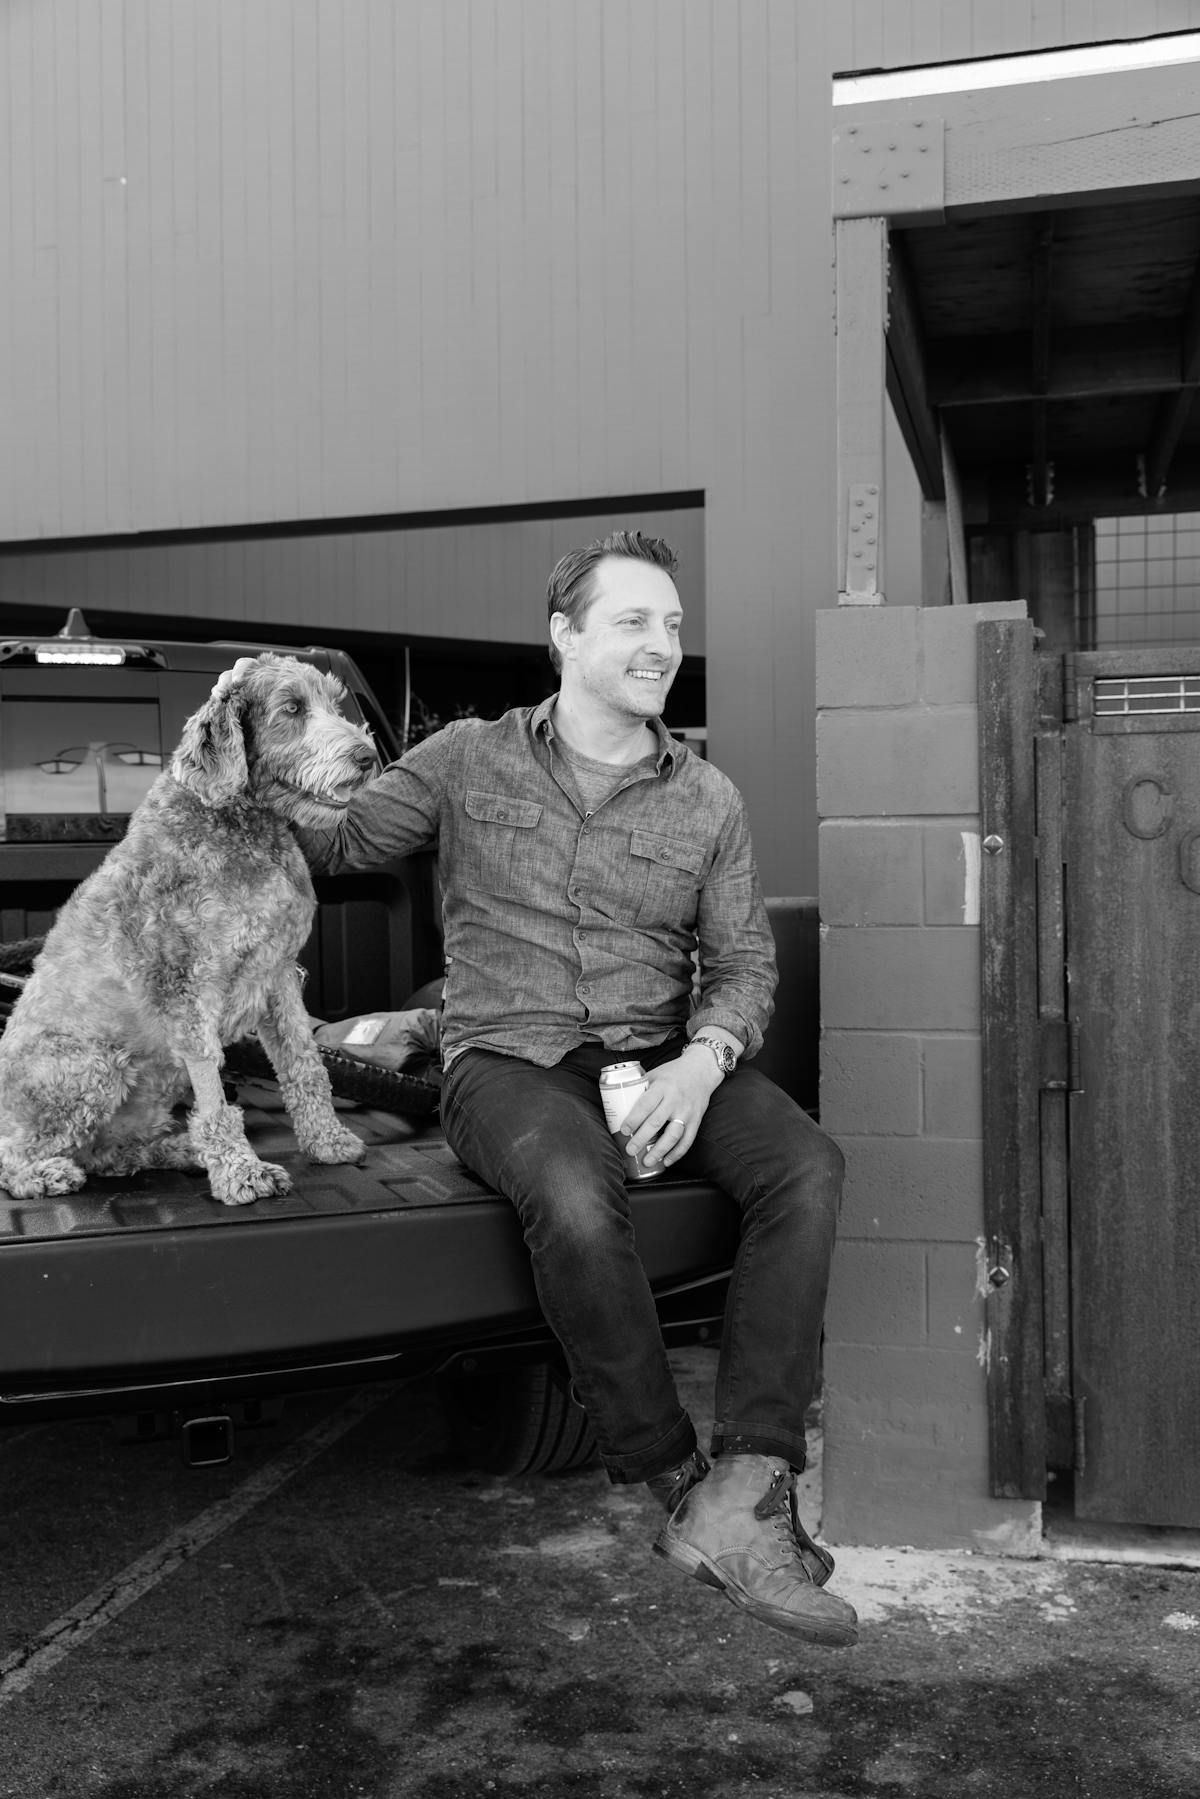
(516, 1420)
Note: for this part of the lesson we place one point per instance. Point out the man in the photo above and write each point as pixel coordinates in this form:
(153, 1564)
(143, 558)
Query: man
(584, 856)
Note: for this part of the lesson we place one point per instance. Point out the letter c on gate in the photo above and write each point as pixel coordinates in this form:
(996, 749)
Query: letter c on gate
(1189, 861)
(1146, 808)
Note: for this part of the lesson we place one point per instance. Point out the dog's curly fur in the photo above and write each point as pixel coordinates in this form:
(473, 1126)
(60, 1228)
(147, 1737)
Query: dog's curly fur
(182, 941)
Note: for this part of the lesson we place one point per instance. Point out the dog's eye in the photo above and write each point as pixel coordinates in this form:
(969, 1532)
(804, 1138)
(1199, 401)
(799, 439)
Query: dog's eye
(293, 708)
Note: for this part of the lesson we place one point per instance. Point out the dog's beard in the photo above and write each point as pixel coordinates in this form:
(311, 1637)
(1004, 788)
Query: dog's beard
(305, 805)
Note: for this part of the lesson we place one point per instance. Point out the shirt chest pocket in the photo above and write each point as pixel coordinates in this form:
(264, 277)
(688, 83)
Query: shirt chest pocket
(666, 874)
(502, 843)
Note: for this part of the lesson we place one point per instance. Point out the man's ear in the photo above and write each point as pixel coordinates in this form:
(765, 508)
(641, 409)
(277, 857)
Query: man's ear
(562, 634)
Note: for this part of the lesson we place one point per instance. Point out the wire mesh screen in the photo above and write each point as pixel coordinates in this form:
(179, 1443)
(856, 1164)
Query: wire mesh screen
(1147, 589)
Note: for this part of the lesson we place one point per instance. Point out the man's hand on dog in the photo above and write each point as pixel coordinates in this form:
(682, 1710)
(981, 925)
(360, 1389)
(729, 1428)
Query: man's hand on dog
(228, 678)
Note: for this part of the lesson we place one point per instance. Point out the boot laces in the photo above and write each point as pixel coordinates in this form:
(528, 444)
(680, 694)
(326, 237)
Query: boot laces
(778, 1506)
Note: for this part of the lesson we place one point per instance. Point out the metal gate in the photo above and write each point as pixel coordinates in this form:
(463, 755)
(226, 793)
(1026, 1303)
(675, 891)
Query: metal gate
(1091, 824)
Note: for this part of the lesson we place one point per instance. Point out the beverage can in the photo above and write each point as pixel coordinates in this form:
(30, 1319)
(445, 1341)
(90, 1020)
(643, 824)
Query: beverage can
(621, 1083)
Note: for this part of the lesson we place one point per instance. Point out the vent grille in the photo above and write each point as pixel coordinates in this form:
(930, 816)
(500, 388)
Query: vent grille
(1120, 697)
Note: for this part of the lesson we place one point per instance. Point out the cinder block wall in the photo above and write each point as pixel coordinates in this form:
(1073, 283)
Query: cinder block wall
(906, 1450)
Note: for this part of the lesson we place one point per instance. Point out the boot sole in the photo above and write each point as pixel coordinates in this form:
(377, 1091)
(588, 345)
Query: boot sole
(691, 1561)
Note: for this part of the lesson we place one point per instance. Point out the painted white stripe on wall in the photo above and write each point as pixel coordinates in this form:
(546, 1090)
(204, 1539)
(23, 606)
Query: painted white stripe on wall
(971, 866)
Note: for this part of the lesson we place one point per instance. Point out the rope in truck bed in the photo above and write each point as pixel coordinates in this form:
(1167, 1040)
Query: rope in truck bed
(386, 1089)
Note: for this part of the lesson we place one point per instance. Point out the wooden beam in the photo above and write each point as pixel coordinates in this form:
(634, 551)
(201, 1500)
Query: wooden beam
(860, 267)
(1097, 361)
(956, 535)
(906, 380)
(1014, 146)
(1171, 414)
(1012, 1261)
(1081, 492)
(1039, 374)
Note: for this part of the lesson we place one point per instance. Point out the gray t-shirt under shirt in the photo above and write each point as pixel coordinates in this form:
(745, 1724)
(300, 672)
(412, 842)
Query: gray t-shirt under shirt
(594, 781)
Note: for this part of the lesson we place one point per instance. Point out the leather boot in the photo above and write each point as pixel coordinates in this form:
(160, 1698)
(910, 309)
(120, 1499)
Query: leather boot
(675, 1485)
(740, 1531)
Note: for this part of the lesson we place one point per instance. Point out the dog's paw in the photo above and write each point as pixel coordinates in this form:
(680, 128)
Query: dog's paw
(47, 1178)
(240, 1183)
(336, 1145)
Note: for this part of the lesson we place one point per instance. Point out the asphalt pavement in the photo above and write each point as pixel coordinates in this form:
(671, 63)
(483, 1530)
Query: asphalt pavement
(346, 1611)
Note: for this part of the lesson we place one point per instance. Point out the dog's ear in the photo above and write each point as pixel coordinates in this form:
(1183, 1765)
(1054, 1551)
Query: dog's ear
(211, 758)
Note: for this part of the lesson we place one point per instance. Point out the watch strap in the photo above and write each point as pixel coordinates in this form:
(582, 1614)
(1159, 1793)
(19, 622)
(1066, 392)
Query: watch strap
(726, 1059)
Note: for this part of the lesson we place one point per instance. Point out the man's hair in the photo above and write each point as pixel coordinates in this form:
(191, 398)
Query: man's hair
(571, 588)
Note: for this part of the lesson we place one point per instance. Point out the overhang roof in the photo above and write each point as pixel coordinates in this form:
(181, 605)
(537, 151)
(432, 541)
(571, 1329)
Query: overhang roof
(1043, 306)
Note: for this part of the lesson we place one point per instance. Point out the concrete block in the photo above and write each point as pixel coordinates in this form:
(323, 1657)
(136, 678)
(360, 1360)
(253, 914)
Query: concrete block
(901, 1492)
(900, 978)
(871, 872)
(871, 1083)
(951, 856)
(867, 655)
(953, 1086)
(904, 1385)
(956, 1307)
(917, 763)
(877, 1294)
(929, 1188)
(906, 1454)
(947, 648)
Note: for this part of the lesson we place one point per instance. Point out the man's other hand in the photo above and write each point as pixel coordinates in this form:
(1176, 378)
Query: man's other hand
(664, 1121)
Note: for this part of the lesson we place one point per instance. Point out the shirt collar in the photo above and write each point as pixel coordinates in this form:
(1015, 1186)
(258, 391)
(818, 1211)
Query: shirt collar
(541, 723)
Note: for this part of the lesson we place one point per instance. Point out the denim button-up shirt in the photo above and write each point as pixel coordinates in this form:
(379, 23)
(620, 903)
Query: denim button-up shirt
(563, 926)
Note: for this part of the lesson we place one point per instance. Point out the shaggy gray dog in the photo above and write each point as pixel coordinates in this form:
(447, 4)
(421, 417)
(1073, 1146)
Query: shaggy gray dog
(182, 941)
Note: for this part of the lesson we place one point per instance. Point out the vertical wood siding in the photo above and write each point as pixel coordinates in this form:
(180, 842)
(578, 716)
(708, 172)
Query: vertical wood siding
(309, 259)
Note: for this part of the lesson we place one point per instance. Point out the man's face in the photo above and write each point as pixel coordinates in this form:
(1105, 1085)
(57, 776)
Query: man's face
(625, 652)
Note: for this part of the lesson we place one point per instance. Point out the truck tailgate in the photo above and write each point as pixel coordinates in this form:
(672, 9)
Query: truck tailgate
(151, 1274)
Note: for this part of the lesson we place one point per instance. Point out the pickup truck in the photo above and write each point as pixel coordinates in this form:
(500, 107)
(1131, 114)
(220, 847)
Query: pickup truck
(143, 1300)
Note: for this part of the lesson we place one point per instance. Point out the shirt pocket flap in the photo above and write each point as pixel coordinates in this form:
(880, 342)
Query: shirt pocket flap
(502, 809)
(671, 852)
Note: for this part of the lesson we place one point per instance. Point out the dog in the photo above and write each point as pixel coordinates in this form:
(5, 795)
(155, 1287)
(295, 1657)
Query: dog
(182, 941)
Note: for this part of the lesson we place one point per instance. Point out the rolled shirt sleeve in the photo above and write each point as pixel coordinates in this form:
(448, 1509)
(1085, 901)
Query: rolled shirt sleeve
(738, 972)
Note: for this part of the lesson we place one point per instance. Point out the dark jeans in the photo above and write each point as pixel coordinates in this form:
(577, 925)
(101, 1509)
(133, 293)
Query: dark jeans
(538, 1136)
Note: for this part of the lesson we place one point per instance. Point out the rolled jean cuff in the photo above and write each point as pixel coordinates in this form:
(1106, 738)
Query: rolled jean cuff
(748, 1439)
(644, 1464)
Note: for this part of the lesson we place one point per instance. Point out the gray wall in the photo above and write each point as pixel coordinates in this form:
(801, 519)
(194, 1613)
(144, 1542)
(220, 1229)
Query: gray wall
(308, 259)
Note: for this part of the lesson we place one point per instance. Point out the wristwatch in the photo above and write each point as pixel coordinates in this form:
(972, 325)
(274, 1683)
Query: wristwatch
(726, 1058)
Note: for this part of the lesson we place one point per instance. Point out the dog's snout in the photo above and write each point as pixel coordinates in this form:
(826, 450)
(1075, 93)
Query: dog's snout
(364, 757)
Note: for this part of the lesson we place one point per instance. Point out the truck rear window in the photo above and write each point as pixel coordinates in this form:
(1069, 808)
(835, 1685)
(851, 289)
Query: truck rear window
(68, 762)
